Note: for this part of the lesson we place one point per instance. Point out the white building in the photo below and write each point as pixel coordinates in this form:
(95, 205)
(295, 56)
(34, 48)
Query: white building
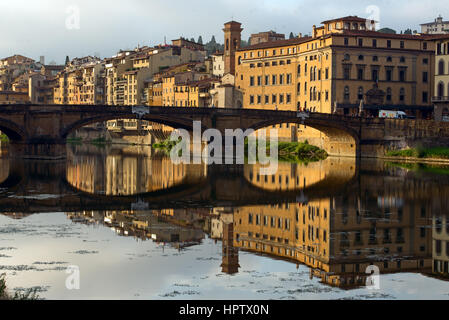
(218, 64)
(437, 27)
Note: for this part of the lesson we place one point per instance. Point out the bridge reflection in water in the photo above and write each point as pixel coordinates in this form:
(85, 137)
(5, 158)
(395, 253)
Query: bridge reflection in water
(337, 216)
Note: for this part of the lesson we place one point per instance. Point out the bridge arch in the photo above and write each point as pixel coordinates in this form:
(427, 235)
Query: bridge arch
(176, 123)
(340, 140)
(12, 130)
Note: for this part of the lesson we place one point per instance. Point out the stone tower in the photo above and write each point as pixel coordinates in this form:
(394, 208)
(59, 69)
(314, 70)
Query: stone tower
(233, 38)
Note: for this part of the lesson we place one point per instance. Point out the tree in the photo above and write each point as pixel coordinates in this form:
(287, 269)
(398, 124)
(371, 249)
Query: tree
(67, 60)
(192, 39)
(408, 31)
(200, 40)
(213, 41)
(291, 35)
(387, 30)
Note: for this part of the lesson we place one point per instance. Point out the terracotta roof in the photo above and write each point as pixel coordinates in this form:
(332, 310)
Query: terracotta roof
(347, 18)
(277, 43)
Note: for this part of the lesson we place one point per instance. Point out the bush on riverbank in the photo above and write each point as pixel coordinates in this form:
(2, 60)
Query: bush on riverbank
(422, 153)
(4, 138)
(296, 151)
(5, 295)
(166, 145)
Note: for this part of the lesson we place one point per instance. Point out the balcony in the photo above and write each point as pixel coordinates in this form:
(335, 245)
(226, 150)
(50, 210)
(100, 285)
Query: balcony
(440, 99)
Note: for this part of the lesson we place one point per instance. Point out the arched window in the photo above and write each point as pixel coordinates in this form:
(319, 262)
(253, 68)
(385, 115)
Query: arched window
(361, 57)
(402, 95)
(311, 94)
(299, 70)
(240, 60)
(346, 94)
(441, 67)
(402, 59)
(389, 59)
(227, 44)
(360, 93)
(311, 74)
(347, 57)
(314, 94)
(440, 89)
(389, 94)
(298, 107)
(314, 74)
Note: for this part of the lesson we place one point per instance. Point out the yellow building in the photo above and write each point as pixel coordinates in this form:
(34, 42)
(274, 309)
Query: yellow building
(333, 70)
(334, 237)
(441, 98)
(13, 97)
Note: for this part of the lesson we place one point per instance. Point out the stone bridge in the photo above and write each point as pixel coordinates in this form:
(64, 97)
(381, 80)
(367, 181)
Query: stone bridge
(40, 131)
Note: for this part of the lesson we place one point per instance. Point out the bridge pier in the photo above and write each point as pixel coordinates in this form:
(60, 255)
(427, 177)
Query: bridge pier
(38, 150)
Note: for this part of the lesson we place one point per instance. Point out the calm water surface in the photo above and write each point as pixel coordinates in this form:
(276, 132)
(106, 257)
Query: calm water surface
(139, 227)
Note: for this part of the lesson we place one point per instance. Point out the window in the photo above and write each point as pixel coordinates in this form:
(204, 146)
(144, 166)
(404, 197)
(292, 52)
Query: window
(389, 75)
(274, 80)
(327, 73)
(347, 73)
(402, 44)
(389, 95)
(375, 58)
(346, 93)
(289, 98)
(251, 99)
(281, 79)
(274, 99)
(251, 81)
(388, 43)
(274, 63)
(267, 99)
(402, 95)
(346, 41)
(441, 67)
(281, 98)
(425, 97)
(347, 57)
(289, 78)
(259, 99)
(299, 70)
(375, 75)
(259, 80)
(361, 57)
(360, 93)
(374, 43)
(425, 77)
(402, 75)
(402, 59)
(360, 42)
(298, 88)
(360, 74)
(267, 80)
(424, 45)
(389, 59)
(425, 61)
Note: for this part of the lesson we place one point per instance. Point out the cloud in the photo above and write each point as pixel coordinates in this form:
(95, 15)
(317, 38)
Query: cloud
(37, 28)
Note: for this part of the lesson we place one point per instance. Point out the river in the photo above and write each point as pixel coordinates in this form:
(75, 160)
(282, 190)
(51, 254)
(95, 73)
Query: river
(124, 222)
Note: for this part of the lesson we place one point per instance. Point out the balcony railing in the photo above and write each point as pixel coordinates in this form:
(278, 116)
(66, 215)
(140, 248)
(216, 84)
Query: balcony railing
(440, 99)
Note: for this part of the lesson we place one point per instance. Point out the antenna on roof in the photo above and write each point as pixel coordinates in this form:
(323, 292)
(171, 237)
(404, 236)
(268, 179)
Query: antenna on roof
(165, 40)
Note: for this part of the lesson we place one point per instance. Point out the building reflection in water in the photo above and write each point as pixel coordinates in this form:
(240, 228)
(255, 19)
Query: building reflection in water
(389, 221)
(128, 171)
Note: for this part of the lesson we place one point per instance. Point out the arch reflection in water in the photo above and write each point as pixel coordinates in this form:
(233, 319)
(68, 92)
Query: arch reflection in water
(293, 176)
(4, 169)
(126, 171)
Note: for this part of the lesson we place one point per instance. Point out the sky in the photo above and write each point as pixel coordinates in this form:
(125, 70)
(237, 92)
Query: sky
(57, 28)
